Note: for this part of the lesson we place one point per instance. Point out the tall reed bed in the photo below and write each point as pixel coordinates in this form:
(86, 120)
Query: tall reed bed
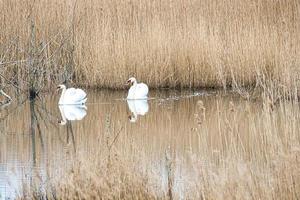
(164, 43)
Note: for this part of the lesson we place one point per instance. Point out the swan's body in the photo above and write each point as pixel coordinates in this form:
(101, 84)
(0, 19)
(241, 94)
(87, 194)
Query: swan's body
(137, 90)
(71, 113)
(137, 107)
(71, 96)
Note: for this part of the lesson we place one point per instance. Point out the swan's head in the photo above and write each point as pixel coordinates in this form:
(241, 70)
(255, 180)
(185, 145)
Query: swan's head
(60, 87)
(131, 81)
(62, 122)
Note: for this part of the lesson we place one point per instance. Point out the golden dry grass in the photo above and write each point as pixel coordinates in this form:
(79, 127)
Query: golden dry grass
(176, 43)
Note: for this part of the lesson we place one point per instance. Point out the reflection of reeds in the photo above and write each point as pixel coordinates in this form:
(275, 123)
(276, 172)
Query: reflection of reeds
(241, 149)
(170, 173)
(119, 181)
(251, 157)
(170, 43)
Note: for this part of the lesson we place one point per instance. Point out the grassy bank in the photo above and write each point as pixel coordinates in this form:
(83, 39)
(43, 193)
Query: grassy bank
(163, 43)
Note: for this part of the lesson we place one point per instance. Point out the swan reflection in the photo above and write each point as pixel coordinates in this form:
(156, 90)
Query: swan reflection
(71, 113)
(137, 107)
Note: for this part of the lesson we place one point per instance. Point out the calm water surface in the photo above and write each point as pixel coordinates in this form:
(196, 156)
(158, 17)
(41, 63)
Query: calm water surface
(169, 120)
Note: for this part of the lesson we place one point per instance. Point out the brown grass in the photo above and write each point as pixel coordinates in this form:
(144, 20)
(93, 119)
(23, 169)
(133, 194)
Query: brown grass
(163, 43)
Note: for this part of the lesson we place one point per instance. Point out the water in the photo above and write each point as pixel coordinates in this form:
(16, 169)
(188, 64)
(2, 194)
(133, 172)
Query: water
(170, 122)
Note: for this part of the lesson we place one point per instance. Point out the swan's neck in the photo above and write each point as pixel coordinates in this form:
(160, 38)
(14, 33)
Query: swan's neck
(64, 120)
(134, 112)
(134, 83)
(134, 86)
(62, 96)
(132, 91)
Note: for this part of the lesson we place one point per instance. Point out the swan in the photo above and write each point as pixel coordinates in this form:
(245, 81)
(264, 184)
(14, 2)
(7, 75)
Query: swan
(137, 107)
(71, 96)
(71, 113)
(137, 90)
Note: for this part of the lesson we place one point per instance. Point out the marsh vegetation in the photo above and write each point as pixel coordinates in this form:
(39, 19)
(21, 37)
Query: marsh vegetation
(163, 43)
(241, 141)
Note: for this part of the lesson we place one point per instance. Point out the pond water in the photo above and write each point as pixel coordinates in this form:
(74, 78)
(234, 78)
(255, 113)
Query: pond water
(168, 121)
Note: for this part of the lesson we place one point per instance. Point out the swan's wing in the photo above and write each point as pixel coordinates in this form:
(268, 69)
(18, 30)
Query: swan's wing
(74, 95)
(142, 90)
(73, 112)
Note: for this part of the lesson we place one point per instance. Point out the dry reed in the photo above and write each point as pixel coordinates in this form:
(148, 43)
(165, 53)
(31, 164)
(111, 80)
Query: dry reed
(164, 43)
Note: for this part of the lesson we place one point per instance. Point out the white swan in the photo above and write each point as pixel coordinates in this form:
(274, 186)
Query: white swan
(137, 90)
(71, 96)
(137, 107)
(71, 113)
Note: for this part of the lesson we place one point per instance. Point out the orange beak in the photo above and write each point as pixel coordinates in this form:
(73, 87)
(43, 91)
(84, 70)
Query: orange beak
(128, 82)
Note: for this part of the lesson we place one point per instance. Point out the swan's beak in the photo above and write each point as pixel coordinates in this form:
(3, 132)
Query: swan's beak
(58, 88)
(128, 82)
(61, 122)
